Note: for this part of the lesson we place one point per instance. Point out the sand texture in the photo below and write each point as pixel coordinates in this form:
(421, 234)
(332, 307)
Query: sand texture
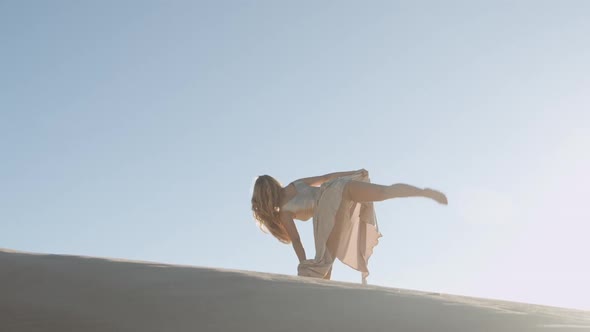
(40, 292)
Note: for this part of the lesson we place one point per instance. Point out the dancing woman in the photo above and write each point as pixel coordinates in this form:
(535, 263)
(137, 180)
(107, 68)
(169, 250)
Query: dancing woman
(343, 215)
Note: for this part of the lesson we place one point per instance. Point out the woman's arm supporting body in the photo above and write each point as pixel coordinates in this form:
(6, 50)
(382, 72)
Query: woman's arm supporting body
(287, 221)
(318, 180)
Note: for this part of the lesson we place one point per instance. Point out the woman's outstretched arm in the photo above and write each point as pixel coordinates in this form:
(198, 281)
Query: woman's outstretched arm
(318, 180)
(287, 221)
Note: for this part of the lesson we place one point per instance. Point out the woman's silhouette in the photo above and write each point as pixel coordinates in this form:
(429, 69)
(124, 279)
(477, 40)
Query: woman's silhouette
(343, 216)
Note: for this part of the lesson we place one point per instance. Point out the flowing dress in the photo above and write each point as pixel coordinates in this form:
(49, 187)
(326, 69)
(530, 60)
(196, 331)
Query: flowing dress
(342, 228)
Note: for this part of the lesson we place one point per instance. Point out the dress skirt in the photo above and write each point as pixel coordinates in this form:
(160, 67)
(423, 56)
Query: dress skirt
(342, 229)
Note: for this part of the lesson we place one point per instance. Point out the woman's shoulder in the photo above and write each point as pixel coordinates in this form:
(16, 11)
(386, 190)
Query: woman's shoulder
(300, 183)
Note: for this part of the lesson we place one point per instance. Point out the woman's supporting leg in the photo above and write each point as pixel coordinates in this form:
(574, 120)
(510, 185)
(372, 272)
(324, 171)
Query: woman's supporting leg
(359, 191)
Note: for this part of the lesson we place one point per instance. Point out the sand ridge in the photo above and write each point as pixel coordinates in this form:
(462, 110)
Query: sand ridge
(45, 292)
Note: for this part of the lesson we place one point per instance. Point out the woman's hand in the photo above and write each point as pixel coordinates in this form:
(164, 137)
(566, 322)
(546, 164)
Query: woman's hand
(318, 180)
(363, 172)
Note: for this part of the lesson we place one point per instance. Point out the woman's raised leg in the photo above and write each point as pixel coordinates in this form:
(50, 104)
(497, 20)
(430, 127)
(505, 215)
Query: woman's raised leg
(359, 191)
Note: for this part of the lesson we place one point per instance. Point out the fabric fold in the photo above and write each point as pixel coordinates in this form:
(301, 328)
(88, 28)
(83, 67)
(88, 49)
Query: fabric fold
(343, 229)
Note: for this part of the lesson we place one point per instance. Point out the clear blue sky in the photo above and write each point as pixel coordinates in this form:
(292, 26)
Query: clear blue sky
(135, 129)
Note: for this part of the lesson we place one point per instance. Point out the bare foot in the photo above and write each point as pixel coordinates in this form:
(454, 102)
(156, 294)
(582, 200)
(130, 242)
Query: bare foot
(436, 195)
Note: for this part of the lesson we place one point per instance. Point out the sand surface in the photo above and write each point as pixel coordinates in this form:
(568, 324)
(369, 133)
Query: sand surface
(40, 292)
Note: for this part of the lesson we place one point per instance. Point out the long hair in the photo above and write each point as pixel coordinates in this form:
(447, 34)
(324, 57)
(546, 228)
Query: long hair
(265, 206)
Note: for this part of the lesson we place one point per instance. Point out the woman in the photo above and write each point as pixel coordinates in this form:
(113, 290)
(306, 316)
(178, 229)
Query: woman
(343, 216)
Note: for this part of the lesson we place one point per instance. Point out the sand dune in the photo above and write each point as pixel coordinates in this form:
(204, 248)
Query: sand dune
(41, 292)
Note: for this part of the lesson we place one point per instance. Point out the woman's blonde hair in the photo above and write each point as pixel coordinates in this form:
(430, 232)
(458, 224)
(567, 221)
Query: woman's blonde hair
(266, 204)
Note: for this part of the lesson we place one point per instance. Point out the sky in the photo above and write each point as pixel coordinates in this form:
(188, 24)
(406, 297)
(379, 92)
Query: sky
(136, 130)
